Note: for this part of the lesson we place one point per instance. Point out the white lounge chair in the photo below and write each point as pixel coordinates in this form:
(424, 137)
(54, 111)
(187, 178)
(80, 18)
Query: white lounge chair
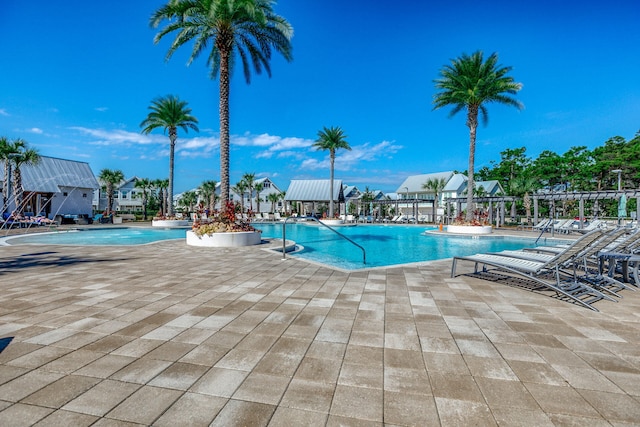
(587, 260)
(548, 275)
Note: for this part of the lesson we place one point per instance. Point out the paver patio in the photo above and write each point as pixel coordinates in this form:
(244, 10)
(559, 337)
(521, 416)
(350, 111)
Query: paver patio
(167, 335)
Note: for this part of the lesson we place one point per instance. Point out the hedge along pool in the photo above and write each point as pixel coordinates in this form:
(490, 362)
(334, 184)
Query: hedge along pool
(385, 245)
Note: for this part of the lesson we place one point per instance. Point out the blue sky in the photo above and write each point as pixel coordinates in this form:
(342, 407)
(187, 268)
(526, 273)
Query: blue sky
(78, 76)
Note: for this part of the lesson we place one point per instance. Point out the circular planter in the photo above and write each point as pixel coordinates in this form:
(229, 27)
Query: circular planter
(224, 240)
(169, 223)
(332, 222)
(469, 229)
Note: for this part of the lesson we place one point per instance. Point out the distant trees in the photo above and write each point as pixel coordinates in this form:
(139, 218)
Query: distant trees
(110, 178)
(146, 185)
(578, 169)
(436, 185)
(207, 191)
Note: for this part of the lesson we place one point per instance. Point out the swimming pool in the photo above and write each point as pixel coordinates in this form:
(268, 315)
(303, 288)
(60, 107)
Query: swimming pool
(101, 236)
(385, 245)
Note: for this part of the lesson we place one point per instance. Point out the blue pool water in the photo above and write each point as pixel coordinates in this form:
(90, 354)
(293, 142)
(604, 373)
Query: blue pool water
(102, 236)
(384, 244)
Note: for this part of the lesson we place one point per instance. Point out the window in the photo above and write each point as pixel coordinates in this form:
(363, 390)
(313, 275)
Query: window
(124, 194)
(65, 194)
(266, 184)
(84, 195)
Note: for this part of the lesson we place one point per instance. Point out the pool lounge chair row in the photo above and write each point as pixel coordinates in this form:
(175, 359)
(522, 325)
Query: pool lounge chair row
(265, 217)
(566, 226)
(573, 274)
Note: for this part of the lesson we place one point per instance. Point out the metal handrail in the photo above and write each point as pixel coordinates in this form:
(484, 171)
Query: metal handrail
(284, 237)
(545, 228)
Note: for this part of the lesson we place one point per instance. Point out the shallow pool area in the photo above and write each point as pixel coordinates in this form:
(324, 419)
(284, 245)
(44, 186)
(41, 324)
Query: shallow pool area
(101, 236)
(385, 245)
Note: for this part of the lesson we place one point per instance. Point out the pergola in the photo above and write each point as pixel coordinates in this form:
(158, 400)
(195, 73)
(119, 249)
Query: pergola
(552, 197)
(581, 196)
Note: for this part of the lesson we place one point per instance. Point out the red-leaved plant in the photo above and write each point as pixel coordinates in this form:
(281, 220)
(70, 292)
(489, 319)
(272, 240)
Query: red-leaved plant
(479, 218)
(224, 221)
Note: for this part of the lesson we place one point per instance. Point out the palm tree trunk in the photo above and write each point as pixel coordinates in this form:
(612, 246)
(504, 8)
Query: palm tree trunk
(472, 122)
(332, 157)
(224, 126)
(17, 188)
(5, 185)
(173, 135)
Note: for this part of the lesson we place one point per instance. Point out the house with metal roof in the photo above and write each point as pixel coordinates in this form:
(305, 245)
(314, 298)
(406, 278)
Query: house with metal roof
(310, 196)
(55, 187)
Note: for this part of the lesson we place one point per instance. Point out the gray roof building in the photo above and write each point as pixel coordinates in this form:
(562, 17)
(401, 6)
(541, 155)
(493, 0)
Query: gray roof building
(314, 190)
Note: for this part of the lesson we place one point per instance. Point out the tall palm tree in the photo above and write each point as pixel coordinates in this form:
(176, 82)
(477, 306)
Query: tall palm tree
(110, 178)
(436, 185)
(146, 185)
(169, 113)
(248, 29)
(249, 180)
(331, 139)
(207, 190)
(20, 154)
(469, 83)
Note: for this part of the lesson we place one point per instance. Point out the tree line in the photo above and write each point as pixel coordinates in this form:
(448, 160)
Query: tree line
(578, 169)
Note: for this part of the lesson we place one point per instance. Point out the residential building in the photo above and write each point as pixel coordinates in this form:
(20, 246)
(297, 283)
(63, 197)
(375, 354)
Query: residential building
(54, 186)
(126, 197)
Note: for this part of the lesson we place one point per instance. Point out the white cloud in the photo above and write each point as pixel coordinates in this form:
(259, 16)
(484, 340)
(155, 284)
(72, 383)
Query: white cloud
(36, 130)
(101, 109)
(272, 143)
(3, 112)
(346, 160)
(119, 137)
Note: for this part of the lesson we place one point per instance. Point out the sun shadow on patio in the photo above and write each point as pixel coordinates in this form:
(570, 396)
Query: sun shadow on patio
(45, 259)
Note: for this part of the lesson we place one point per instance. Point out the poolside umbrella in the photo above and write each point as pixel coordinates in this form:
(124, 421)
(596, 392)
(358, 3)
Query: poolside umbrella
(622, 206)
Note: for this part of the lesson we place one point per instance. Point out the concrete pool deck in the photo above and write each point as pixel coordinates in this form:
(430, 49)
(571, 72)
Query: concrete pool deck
(168, 334)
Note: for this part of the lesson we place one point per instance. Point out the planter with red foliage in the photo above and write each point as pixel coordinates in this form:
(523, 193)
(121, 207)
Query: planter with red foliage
(223, 229)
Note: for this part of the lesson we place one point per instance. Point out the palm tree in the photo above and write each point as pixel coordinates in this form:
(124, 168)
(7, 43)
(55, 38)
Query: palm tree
(169, 113)
(469, 83)
(436, 185)
(248, 29)
(525, 185)
(207, 190)
(240, 188)
(331, 139)
(273, 198)
(188, 200)
(161, 186)
(249, 180)
(259, 187)
(20, 154)
(146, 185)
(110, 178)
(6, 152)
